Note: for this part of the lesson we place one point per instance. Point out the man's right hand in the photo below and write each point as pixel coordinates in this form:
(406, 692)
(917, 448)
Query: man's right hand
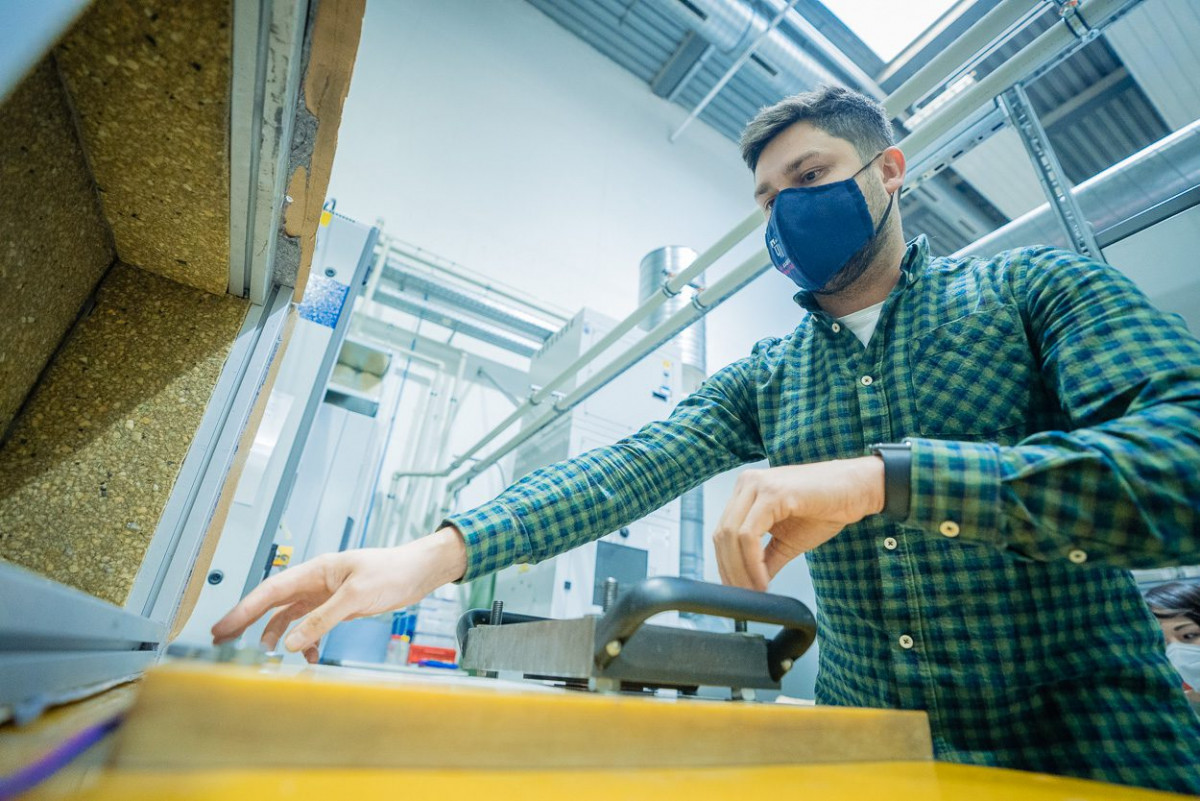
(342, 586)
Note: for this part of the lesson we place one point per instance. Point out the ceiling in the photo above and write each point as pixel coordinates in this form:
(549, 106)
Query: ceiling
(1111, 98)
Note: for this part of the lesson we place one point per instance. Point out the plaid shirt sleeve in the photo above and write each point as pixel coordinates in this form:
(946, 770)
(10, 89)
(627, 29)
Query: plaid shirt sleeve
(1128, 377)
(559, 507)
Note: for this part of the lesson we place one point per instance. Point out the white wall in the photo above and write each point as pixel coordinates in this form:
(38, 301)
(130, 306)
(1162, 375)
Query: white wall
(488, 134)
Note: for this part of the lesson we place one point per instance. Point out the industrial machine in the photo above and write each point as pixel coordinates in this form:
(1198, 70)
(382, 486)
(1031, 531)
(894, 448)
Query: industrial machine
(572, 585)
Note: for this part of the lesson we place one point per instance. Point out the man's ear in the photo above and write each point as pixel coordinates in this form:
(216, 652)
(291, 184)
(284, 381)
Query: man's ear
(893, 166)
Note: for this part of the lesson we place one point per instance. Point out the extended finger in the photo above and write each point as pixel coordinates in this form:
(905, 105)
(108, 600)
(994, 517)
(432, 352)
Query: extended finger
(281, 589)
(317, 623)
(728, 551)
(759, 519)
(281, 620)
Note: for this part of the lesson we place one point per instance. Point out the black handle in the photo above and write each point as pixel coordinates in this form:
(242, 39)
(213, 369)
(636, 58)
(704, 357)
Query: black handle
(476, 617)
(663, 594)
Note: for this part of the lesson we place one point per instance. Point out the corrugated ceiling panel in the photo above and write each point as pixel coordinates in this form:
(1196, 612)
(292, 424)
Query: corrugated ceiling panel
(1157, 42)
(1000, 170)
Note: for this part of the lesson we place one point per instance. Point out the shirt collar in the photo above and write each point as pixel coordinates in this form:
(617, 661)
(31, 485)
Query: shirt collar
(912, 267)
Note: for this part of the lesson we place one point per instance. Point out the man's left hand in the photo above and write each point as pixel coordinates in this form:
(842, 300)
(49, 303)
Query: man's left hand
(802, 506)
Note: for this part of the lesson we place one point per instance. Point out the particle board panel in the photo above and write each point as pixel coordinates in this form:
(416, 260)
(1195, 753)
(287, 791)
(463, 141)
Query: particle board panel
(150, 83)
(54, 245)
(92, 458)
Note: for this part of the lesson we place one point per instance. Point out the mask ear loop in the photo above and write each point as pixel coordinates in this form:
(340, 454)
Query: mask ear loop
(886, 212)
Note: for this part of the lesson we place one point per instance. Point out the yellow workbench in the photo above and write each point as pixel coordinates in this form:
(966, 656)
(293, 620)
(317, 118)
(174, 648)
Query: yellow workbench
(205, 730)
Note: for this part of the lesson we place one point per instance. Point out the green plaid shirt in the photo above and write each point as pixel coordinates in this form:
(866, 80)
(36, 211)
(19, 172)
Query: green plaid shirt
(1054, 417)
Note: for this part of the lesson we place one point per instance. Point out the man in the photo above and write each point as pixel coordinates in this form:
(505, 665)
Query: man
(1044, 423)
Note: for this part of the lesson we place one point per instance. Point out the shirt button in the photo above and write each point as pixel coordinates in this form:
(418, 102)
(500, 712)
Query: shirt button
(1077, 556)
(949, 528)
(836, 327)
(890, 543)
(866, 380)
(906, 641)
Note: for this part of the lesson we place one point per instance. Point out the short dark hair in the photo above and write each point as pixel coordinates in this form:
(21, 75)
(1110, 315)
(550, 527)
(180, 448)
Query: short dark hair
(1177, 599)
(836, 110)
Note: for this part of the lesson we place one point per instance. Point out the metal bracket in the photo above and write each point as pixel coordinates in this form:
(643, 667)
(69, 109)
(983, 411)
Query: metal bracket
(1050, 173)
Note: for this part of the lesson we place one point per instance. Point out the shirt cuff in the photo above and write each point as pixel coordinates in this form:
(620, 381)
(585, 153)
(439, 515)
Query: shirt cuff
(494, 536)
(956, 490)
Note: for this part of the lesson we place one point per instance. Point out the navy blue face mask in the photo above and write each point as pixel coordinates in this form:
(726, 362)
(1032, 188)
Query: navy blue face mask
(815, 230)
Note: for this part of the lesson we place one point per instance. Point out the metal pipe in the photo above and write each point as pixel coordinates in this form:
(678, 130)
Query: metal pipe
(733, 68)
(669, 289)
(449, 318)
(697, 65)
(701, 304)
(958, 53)
(726, 24)
(1040, 50)
(657, 265)
(510, 319)
(443, 443)
(1149, 177)
(829, 50)
(414, 253)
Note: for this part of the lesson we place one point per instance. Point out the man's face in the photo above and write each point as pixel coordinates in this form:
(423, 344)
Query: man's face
(1180, 629)
(803, 155)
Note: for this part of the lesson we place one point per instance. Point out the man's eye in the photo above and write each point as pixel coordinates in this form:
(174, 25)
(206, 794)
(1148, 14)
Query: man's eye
(1191, 636)
(810, 176)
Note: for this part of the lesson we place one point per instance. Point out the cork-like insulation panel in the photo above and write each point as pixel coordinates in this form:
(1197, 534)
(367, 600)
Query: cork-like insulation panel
(150, 84)
(91, 461)
(54, 246)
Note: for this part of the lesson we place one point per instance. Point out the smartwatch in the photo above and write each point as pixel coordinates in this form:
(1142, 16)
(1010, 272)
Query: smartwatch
(897, 477)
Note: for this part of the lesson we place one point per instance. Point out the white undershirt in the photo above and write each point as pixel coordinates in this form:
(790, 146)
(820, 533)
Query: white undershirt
(862, 322)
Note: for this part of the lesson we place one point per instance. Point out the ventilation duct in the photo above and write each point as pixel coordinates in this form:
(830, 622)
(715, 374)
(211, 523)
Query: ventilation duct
(731, 26)
(657, 267)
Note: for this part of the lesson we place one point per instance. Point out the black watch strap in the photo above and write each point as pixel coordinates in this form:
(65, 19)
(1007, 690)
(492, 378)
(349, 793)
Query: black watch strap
(897, 477)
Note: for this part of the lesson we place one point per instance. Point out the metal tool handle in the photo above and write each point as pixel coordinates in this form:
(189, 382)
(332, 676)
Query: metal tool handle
(663, 594)
(478, 617)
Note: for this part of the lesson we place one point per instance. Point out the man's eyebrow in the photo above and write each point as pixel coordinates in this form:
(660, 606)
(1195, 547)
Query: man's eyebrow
(1179, 626)
(792, 166)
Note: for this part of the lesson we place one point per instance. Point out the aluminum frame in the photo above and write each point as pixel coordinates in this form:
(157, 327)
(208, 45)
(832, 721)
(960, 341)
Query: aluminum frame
(58, 643)
(167, 565)
(279, 504)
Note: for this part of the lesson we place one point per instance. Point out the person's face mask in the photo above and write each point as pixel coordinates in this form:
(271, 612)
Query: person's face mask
(815, 230)
(1186, 659)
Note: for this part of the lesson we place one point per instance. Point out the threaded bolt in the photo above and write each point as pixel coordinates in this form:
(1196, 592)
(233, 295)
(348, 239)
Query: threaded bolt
(497, 613)
(610, 592)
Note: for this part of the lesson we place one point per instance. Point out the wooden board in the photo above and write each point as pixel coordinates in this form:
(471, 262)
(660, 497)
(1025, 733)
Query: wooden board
(94, 455)
(329, 65)
(196, 715)
(893, 781)
(54, 245)
(149, 80)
